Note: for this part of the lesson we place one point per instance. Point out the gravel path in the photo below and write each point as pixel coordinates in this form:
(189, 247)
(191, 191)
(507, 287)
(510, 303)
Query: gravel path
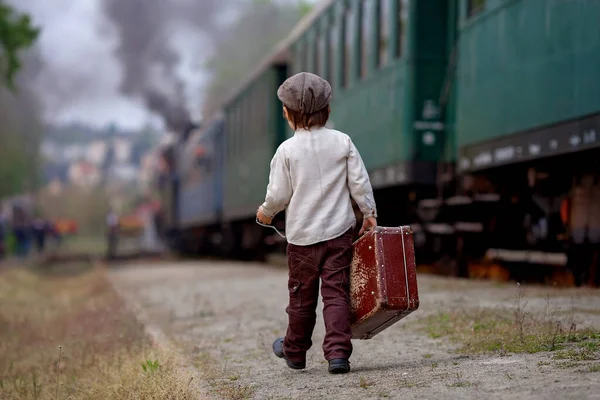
(224, 317)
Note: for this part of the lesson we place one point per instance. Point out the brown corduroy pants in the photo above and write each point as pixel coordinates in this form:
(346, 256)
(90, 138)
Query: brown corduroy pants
(330, 261)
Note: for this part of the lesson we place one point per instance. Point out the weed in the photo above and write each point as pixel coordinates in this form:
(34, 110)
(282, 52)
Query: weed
(150, 366)
(594, 368)
(590, 346)
(575, 355)
(567, 364)
(461, 384)
(542, 363)
(58, 368)
(213, 372)
(407, 384)
(520, 313)
(364, 383)
(427, 356)
(234, 391)
(434, 365)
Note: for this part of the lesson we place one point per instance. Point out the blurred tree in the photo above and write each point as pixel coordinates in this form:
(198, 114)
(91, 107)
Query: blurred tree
(20, 136)
(21, 129)
(244, 42)
(16, 33)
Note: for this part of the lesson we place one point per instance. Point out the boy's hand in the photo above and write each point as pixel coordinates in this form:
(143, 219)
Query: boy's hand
(262, 218)
(367, 225)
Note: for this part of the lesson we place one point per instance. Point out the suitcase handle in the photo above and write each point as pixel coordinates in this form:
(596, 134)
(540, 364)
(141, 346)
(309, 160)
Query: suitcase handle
(270, 226)
(361, 236)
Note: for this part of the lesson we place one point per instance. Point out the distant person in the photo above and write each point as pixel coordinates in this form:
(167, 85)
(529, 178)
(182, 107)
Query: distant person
(314, 177)
(40, 229)
(21, 227)
(3, 235)
(54, 232)
(112, 227)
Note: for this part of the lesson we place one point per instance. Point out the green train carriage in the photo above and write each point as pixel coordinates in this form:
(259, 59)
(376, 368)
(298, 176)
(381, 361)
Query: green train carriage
(525, 107)
(471, 115)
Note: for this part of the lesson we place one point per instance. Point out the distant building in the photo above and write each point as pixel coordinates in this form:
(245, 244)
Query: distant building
(96, 152)
(148, 169)
(55, 187)
(83, 173)
(123, 150)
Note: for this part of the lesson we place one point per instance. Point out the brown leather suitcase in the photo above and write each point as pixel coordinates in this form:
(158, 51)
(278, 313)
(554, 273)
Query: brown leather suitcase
(383, 280)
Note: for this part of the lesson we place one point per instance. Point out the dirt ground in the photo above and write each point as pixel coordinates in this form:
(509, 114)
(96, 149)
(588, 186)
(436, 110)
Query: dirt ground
(224, 317)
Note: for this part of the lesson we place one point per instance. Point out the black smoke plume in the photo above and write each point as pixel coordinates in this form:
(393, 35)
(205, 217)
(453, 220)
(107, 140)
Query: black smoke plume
(144, 29)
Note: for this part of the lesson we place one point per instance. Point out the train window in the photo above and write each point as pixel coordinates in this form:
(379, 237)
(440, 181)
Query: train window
(316, 54)
(238, 131)
(306, 54)
(242, 128)
(343, 55)
(385, 8)
(299, 62)
(332, 50)
(297, 57)
(229, 141)
(321, 52)
(349, 32)
(402, 25)
(250, 119)
(366, 36)
(301, 56)
(474, 7)
(263, 111)
(226, 137)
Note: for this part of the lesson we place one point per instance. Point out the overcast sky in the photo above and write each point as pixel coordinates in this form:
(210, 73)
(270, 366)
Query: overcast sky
(82, 76)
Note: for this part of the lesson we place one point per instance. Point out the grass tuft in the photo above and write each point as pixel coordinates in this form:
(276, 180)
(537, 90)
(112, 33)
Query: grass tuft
(505, 330)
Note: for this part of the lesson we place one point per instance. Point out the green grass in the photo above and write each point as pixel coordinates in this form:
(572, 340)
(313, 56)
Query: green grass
(492, 330)
(503, 330)
(594, 368)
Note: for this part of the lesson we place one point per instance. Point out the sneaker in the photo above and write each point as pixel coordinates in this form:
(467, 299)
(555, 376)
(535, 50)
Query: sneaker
(278, 350)
(339, 366)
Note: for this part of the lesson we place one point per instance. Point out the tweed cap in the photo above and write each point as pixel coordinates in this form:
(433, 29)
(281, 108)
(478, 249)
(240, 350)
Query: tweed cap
(305, 92)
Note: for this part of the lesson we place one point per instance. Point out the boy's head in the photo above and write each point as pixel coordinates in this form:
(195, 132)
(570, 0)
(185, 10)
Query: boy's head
(305, 99)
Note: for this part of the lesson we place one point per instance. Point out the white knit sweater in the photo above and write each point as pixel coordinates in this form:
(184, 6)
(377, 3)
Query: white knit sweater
(313, 174)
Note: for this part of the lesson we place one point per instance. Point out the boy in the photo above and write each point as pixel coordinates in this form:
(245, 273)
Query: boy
(313, 176)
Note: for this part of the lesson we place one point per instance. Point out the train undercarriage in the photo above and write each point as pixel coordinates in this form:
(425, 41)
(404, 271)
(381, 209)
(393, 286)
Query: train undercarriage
(538, 220)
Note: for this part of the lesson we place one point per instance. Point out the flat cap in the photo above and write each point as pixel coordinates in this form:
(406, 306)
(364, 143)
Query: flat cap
(305, 92)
